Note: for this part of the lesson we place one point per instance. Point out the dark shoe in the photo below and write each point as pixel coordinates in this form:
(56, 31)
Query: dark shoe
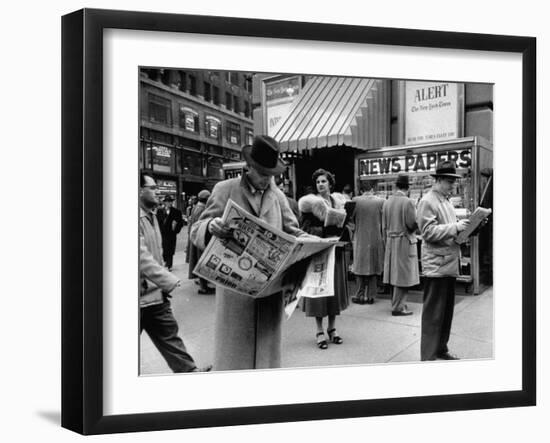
(447, 356)
(334, 337)
(370, 301)
(207, 368)
(207, 291)
(358, 300)
(321, 342)
(401, 313)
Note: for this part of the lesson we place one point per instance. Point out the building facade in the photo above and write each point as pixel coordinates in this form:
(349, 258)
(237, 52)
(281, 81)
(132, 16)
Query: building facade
(191, 123)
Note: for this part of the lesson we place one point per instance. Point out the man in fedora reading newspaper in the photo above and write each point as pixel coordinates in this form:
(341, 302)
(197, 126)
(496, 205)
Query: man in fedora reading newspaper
(439, 227)
(248, 330)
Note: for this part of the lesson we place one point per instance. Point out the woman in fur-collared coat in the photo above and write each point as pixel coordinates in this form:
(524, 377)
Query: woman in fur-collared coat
(317, 211)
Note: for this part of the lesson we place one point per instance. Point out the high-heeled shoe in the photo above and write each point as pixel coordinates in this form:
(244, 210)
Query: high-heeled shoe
(334, 337)
(321, 344)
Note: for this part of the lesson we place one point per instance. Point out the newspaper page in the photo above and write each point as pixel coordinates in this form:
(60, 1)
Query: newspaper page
(317, 282)
(476, 218)
(254, 260)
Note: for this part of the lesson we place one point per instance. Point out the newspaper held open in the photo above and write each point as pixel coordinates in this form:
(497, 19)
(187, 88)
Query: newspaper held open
(477, 217)
(257, 260)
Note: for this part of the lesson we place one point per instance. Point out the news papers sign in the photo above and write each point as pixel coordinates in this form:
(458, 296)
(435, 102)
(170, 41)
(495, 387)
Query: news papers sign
(433, 111)
(420, 162)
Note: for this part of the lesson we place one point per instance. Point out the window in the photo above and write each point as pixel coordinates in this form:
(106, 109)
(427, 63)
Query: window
(228, 100)
(207, 91)
(192, 85)
(183, 81)
(159, 110)
(162, 137)
(247, 108)
(249, 136)
(215, 167)
(189, 119)
(213, 149)
(216, 95)
(192, 163)
(165, 76)
(213, 127)
(236, 106)
(248, 84)
(233, 133)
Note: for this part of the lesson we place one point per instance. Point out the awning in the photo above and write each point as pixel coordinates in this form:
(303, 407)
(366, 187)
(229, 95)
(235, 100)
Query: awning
(336, 111)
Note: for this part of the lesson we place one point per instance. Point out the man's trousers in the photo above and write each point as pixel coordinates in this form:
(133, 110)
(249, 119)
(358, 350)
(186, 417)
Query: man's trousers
(437, 316)
(160, 324)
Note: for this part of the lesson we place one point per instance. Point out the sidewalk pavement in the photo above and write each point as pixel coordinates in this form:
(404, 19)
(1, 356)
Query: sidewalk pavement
(371, 334)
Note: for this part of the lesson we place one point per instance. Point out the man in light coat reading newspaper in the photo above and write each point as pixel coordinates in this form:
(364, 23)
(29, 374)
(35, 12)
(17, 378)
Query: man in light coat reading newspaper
(248, 330)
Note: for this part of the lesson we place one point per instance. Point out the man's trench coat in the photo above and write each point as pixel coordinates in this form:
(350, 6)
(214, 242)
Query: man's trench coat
(248, 330)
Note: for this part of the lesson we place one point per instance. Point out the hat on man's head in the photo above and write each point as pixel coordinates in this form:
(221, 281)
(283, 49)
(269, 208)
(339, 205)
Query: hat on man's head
(168, 198)
(402, 180)
(263, 155)
(446, 169)
(204, 194)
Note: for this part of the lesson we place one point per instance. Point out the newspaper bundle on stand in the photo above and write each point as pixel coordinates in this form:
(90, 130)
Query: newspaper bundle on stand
(258, 259)
(475, 219)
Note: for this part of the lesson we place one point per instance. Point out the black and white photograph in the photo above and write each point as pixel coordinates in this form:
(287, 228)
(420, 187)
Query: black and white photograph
(292, 220)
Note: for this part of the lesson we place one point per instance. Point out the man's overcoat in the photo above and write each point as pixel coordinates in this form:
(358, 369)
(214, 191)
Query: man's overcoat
(368, 246)
(248, 330)
(398, 227)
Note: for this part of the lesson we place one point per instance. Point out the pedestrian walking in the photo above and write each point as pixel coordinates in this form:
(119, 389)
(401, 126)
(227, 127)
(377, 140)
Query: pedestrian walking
(248, 330)
(315, 220)
(401, 255)
(440, 262)
(368, 244)
(170, 222)
(156, 284)
(194, 252)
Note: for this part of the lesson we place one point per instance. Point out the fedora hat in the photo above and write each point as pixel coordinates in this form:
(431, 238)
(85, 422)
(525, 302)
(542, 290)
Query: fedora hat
(402, 180)
(204, 194)
(446, 169)
(263, 155)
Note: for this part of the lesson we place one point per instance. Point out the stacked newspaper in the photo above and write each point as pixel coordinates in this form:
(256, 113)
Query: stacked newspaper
(259, 260)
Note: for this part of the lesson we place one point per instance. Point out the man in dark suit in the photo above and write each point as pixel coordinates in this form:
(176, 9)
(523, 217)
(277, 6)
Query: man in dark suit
(170, 222)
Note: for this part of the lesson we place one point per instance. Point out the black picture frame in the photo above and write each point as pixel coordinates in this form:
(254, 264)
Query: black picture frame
(82, 210)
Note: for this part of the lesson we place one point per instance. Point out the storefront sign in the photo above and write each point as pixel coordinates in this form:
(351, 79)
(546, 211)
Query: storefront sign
(433, 111)
(162, 158)
(421, 162)
(279, 96)
(167, 187)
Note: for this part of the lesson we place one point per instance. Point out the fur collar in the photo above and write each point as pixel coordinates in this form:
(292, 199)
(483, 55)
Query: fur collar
(317, 205)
